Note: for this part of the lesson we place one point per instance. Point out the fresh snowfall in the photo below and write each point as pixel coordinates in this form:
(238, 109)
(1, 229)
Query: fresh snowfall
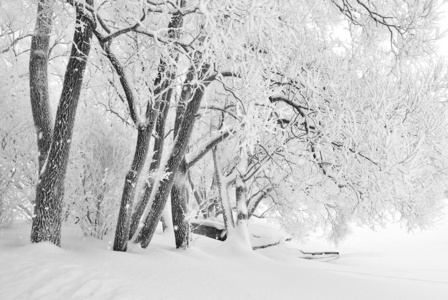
(134, 135)
(387, 264)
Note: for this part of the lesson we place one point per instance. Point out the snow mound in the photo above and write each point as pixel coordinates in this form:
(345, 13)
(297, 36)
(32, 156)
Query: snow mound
(86, 268)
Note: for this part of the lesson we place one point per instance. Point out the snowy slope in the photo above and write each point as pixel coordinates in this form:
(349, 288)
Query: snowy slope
(385, 265)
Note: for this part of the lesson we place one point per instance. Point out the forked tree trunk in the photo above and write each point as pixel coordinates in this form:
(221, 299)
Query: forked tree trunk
(131, 181)
(175, 23)
(156, 159)
(49, 192)
(172, 167)
(145, 128)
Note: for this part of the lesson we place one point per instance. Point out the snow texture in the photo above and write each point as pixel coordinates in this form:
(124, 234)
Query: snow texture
(389, 264)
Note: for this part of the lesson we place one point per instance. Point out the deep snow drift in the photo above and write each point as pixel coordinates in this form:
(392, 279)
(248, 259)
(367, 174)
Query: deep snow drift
(390, 264)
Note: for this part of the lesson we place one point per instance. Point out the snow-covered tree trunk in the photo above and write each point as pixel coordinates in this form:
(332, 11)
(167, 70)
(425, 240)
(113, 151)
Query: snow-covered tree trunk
(165, 93)
(241, 200)
(253, 202)
(154, 166)
(131, 181)
(179, 207)
(199, 196)
(98, 228)
(166, 219)
(145, 127)
(223, 196)
(174, 161)
(39, 78)
(49, 192)
(179, 192)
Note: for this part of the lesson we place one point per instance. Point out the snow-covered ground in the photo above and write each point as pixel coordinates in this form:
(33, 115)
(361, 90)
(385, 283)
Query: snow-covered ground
(388, 264)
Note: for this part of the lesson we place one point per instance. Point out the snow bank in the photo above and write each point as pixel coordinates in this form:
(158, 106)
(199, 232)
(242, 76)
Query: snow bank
(85, 268)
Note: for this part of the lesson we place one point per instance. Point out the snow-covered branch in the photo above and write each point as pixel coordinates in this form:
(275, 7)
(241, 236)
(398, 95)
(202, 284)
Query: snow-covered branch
(193, 158)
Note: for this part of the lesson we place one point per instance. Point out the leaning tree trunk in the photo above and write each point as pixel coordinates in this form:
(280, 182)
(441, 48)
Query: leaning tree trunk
(49, 192)
(174, 161)
(164, 69)
(131, 181)
(156, 159)
(145, 128)
(253, 202)
(39, 79)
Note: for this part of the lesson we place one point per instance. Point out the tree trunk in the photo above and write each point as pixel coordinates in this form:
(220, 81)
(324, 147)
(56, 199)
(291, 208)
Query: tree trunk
(241, 200)
(253, 202)
(39, 79)
(124, 223)
(155, 163)
(223, 197)
(172, 166)
(199, 196)
(166, 219)
(50, 188)
(179, 208)
(175, 23)
(241, 196)
(131, 181)
(99, 213)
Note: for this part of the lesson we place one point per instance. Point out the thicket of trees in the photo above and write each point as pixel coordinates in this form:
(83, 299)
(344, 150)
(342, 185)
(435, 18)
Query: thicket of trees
(313, 114)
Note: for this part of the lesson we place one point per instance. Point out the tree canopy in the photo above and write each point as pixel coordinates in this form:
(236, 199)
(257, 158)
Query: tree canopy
(314, 114)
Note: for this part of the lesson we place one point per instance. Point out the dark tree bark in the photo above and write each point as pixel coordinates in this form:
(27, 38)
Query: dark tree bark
(39, 79)
(173, 164)
(155, 164)
(179, 196)
(165, 91)
(253, 202)
(49, 192)
(125, 226)
(131, 181)
(241, 200)
(199, 197)
(179, 205)
(241, 196)
(145, 128)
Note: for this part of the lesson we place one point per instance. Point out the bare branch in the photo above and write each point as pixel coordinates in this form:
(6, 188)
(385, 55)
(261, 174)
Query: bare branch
(221, 75)
(298, 107)
(130, 98)
(339, 146)
(193, 158)
(7, 48)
